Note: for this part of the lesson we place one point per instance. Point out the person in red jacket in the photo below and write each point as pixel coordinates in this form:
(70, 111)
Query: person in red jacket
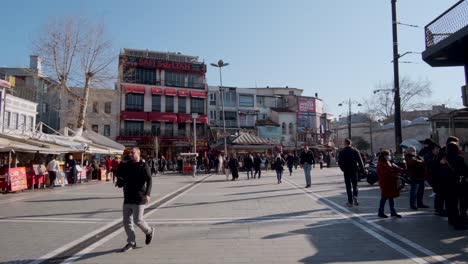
(388, 181)
(114, 165)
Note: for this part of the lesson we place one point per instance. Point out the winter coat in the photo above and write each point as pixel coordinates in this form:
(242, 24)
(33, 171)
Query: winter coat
(350, 160)
(416, 167)
(388, 179)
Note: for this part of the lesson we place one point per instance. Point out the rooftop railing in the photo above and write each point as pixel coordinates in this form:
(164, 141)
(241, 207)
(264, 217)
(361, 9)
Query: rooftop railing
(448, 23)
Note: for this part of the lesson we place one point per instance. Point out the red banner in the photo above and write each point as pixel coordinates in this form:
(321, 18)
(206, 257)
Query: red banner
(170, 92)
(18, 180)
(134, 89)
(182, 93)
(306, 105)
(156, 90)
(197, 94)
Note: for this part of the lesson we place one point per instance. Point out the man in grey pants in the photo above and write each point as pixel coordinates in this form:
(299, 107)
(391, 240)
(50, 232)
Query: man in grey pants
(136, 179)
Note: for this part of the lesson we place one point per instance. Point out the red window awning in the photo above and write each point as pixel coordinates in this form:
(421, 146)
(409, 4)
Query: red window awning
(156, 90)
(187, 118)
(197, 94)
(182, 93)
(170, 92)
(162, 117)
(130, 115)
(134, 89)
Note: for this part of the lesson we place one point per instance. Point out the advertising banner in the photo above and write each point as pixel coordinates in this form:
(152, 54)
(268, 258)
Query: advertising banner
(306, 105)
(18, 180)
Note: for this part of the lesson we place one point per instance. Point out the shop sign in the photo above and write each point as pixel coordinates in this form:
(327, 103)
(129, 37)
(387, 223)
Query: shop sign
(306, 105)
(18, 179)
(168, 65)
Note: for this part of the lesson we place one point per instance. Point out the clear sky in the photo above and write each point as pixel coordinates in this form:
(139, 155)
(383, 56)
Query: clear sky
(339, 49)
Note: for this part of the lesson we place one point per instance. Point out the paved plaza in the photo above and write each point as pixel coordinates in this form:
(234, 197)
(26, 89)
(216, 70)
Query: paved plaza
(211, 220)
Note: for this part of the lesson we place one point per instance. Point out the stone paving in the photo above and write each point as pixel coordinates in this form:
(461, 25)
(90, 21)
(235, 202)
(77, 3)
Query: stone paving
(245, 221)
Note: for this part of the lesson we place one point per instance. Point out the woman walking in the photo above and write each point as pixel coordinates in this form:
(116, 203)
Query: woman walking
(233, 166)
(388, 181)
(279, 163)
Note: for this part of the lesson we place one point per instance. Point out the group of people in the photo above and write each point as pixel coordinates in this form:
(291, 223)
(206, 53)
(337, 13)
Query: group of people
(443, 168)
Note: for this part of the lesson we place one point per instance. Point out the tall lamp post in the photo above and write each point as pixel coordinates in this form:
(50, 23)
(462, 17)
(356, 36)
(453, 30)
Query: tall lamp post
(219, 65)
(396, 80)
(349, 102)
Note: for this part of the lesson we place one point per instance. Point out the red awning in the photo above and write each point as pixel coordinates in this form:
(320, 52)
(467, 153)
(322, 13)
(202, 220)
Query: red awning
(187, 118)
(162, 117)
(127, 115)
(170, 92)
(156, 90)
(197, 94)
(182, 93)
(134, 89)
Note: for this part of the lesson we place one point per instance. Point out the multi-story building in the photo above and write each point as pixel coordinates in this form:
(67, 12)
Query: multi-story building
(17, 115)
(159, 92)
(33, 85)
(102, 114)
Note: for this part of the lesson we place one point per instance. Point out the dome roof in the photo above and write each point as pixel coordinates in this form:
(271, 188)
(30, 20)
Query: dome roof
(405, 122)
(420, 120)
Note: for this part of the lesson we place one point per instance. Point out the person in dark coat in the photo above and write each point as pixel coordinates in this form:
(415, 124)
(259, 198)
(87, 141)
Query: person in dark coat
(417, 174)
(432, 161)
(233, 165)
(290, 163)
(388, 181)
(257, 166)
(351, 164)
(279, 163)
(455, 173)
(248, 165)
(307, 160)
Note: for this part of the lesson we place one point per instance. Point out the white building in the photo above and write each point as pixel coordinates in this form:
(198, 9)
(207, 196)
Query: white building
(17, 115)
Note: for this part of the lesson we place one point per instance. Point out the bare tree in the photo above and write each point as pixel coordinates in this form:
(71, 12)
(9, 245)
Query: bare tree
(76, 54)
(412, 94)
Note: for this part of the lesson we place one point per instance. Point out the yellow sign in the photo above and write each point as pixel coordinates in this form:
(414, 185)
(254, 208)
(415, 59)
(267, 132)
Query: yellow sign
(12, 80)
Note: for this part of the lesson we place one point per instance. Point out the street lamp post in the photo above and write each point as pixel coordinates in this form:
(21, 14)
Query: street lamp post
(349, 102)
(396, 80)
(219, 65)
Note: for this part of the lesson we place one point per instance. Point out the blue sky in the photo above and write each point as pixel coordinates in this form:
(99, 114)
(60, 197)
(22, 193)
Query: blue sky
(339, 49)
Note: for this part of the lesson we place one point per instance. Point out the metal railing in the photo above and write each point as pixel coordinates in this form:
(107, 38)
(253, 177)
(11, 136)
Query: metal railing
(185, 85)
(448, 23)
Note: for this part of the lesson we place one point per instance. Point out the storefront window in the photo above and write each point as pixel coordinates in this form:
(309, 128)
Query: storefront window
(197, 105)
(133, 128)
(134, 102)
(156, 103)
(155, 128)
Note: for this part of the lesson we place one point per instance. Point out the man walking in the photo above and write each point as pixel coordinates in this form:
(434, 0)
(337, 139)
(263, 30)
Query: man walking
(307, 159)
(257, 164)
(350, 163)
(137, 183)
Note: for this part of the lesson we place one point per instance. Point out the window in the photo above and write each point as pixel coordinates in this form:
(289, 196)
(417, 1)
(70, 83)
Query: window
(156, 103)
(182, 105)
(22, 122)
(169, 104)
(197, 105)
(195, 80)
(7, 119)
(175, 79)
(45, 108)
(283, 126)
(140, 75)
(134, 102)
(95, 128)
(31, 122)
(291, 128)
(107, 130)
(95, 107)
(260, 100)
(14, 121)
(181, 130)
(107, 107)
(246, 100)
(71, 103)
(133, 128)
(230, 99)
(169, 129)
(156, 128)
(212, 115)
(212, 98)
(230, 116)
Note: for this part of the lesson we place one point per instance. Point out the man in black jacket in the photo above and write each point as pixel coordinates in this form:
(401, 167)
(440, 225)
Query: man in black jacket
(307, 159)
(350, 163)
(137, 183)
(257, 163)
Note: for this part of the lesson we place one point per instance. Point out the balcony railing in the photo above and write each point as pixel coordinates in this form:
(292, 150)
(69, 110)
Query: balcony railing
(448, 23)
(161, 133)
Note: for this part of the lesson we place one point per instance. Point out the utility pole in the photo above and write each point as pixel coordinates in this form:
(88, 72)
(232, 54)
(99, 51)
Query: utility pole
(396, 80)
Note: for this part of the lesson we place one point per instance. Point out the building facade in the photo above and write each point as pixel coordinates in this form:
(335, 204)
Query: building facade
(33, 85)
(17, 115)
(159, 92)
(102, 114)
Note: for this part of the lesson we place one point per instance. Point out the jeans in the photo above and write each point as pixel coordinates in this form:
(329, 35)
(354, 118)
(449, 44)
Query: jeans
(259, 171)
(290, 169)
(137, 210)
(350, 178)
(279, 175)
(417, 193)
(391, 202)
(307, 172)
(249, 172)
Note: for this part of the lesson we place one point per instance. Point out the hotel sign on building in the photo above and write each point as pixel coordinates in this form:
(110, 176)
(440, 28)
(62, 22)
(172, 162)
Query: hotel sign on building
(166, 65)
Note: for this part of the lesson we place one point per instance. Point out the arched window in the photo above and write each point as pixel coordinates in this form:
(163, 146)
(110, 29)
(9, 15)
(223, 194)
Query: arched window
(291, 128)
(283, 126)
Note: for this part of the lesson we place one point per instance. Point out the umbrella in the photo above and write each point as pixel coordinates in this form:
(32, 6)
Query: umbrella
(411, 142)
